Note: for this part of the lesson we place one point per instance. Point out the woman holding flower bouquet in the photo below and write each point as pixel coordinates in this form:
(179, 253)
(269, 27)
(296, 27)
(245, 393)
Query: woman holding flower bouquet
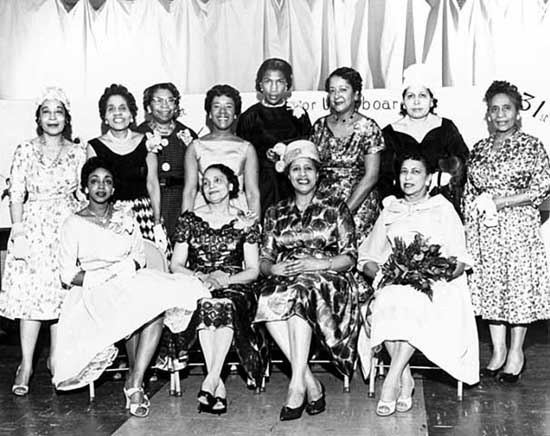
(161, 102)
(417, 255)
(136, 165)
(350, 146)
(101, 258)
(274, 119)
(307, 255)
(223, 106)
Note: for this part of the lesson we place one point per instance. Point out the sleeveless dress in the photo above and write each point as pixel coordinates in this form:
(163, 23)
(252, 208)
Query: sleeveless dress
(31, 288)
(131, 182)
(212, 249)
(229, 153)
(171, 171)
(115, 299)
(263, 127)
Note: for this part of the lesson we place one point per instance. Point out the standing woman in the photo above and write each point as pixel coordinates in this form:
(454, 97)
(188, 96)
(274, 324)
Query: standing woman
(270, 121)
(421, 130)
(162, 106)
(44, 177)
(126, 151)
(223, 106)
(508, 178)
(349, 147)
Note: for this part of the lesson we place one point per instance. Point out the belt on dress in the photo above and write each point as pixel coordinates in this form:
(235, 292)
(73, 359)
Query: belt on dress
(171, 181)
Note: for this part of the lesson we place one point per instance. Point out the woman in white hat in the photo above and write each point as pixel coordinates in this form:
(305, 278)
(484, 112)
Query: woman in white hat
(44, 178)
(421, 130)
(308, 253)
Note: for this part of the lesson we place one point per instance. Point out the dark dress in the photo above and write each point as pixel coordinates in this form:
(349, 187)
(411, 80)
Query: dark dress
(327, 300)
(171, 171)
(131, 183)
(264, 127)
(210, 250)
(440, 143)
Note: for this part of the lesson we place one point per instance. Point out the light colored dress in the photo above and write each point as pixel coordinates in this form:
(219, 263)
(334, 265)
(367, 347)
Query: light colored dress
(31, 288)
(444, 329)
(510, 281)
(114, 300)
(230, 153)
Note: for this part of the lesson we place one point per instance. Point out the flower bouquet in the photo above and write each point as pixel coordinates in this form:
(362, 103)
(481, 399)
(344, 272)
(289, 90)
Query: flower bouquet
(418, 264)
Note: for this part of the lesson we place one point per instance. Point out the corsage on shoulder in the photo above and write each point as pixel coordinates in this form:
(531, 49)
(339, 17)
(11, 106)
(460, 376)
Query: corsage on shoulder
(185, 136)
(155, 142)
(296, 107)
(123, 219)
(277, 154)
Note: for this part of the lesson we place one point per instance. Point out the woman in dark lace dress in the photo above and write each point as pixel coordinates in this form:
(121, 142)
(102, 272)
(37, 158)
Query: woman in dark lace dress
(214, 242)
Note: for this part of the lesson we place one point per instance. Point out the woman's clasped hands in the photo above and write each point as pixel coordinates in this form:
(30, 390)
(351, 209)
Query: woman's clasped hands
(296, 266)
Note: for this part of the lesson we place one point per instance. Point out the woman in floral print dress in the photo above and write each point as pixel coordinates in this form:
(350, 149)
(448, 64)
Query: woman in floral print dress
(508, 178)
(44, 178)
(349, 147)
(307, 255)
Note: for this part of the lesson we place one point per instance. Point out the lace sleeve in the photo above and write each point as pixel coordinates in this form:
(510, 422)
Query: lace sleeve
(252, 234)
(183, 228)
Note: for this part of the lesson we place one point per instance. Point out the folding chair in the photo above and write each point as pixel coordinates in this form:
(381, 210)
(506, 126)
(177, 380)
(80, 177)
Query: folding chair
(154, 259)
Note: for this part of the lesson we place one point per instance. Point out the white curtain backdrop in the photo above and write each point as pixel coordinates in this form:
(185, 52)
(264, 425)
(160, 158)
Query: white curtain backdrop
(196, 43)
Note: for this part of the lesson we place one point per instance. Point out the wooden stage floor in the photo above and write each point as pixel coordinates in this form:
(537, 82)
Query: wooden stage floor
(488, 409)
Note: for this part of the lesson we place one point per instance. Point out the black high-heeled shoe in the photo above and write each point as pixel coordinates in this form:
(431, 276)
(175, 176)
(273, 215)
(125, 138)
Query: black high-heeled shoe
(291, 413)
(490, 373)
(317, 406)
(220, 410)
(507, 377)
(206, 401)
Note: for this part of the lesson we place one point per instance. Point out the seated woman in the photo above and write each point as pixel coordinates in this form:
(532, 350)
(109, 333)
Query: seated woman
(307, 255)
(214, 242)
(405, 319)
(101, 256)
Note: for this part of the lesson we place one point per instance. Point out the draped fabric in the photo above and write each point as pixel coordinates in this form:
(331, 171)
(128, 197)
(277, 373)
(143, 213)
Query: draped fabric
(86, 44)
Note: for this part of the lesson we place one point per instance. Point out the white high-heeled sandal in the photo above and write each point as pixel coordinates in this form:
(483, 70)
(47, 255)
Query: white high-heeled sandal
(141, 409)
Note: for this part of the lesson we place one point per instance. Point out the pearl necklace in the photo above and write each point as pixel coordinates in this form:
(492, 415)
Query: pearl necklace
(101, 218)
(163, 130)
(43, 144)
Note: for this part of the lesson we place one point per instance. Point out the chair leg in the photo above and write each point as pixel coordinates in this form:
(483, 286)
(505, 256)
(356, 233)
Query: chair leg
(346, 384)
(177, 384)
(459, 390)
(372, 376)
(91, 389)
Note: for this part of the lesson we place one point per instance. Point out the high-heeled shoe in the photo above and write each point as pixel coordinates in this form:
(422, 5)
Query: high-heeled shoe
(140, 409)
(490, 373)
(220, 406)
(291, 413)
(385, 408)
(20, 389)
(317, 406)
(206, 401)
(507, 377)
(404, 404)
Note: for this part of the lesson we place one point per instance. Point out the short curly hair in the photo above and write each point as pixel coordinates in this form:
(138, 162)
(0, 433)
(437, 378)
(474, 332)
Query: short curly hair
(231, 178)
(349, 75)
(225, 90)
(67, 130)
(168, 86)
(274, 64)
(503, 87)
(117, 89)
(90, 166)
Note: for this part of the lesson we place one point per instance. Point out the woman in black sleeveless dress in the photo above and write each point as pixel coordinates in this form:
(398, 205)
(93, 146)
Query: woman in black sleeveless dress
(128, 153)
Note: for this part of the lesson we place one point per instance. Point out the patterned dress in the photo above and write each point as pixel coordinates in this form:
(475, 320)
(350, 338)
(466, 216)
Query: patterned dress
(327, 300)
(510, 280)
(171, 171)
(263, 127)
(440, 143)
(31, 288)
(131, 172)
(343, 166)
(212, 249)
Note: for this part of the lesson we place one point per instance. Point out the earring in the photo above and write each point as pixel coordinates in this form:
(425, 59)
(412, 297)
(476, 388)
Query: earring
(86, 191)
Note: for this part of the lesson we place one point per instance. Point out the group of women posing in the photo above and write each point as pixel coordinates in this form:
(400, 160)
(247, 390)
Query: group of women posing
(313, 268)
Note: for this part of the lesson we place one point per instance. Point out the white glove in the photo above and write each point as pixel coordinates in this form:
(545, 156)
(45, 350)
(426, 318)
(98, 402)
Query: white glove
(20, 247)
(486, 207)
(124, 269)
(161, 240)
